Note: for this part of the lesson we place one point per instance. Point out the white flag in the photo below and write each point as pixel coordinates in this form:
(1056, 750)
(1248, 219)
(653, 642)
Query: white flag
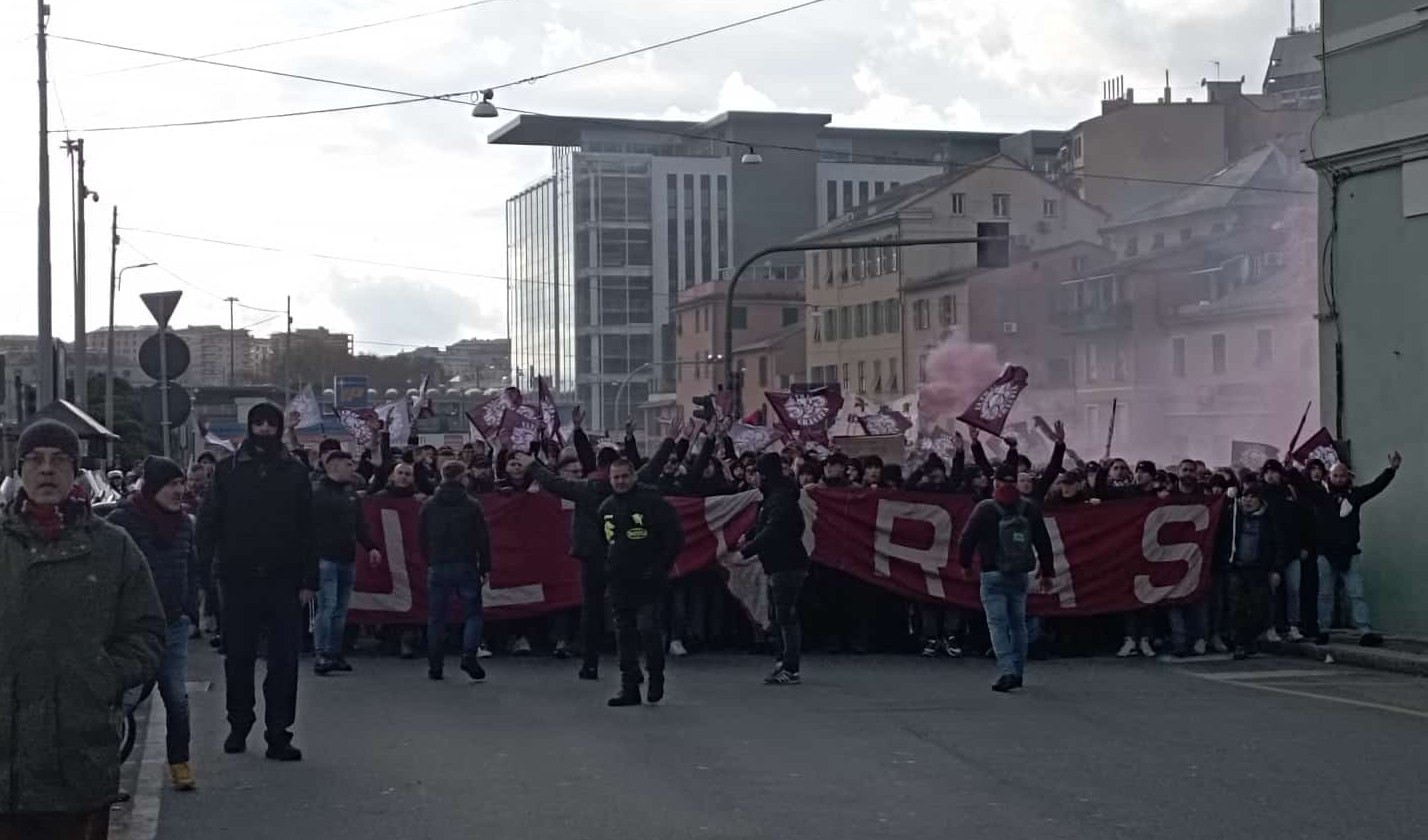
(306, 406)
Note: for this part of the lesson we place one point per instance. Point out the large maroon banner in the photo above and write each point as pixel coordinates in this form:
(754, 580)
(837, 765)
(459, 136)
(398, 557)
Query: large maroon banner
(1109, 558)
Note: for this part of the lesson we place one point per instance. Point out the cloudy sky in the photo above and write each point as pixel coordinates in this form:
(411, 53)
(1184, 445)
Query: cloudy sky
(416, 185)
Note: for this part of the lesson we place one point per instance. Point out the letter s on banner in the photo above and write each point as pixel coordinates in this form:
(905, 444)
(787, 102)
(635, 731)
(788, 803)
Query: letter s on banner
(932, 559)
(1186, 552)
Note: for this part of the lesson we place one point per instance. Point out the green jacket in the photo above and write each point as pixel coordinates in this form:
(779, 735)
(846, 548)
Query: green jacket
(80, 621)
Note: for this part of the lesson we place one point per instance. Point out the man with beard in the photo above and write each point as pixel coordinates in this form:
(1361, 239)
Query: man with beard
(80, 622)
(256, 525)
(644, 537)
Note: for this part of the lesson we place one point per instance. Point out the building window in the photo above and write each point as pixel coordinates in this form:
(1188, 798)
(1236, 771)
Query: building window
(817, 328)
(959, 204)
(678, 370)
(830, 374)
(790, 315)
(875, 318)
(847, 198)
(1186, 234)
(723, 221)
(1093, 363)
(879, 188)
(1217, 353)
(829, 319)
(817, 269)
(862, 377)
(707, 229)
(877, 376)
(920, 320)
(892, 315)
(845, 321)
(1177, 356)
(1217, 227)
(1157, 242)
(1078, 265)
(689, 276)
(671, 245)
(1048, 208)
(831, 197)
(945, 311)
(922, 368)
(892, 375)
(1132, 246)
(679, 324)
(845, 376)
(860, 320)
(763, 371)
(863, 192)
(1001, 205)
(740, 318)
(1264, 348)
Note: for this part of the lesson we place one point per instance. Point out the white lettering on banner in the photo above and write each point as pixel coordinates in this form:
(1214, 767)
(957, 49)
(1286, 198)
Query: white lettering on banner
(746, 579)
(1062, 586)
(512, 596)
(932, 559)
(395, 549)
(1186, 552)
(809, 506)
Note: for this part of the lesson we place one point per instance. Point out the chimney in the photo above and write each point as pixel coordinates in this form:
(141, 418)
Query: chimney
(1130, 95)
(1167, 99)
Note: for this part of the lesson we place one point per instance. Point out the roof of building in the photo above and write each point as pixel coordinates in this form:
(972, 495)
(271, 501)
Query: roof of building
(1018, 262)
(1296, 54)
(1273, 177)
(771, 341)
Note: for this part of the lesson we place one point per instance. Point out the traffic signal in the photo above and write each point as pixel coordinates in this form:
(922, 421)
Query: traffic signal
(705, 408)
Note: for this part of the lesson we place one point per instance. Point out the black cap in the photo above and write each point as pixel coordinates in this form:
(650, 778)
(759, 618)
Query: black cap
(159, 471)
(50, 434)
(769, 465)
(1145, 467)
(1006, 472)
(1272, 466)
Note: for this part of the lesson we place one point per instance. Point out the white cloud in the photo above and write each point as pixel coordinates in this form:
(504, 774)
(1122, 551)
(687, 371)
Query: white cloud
(738, 95)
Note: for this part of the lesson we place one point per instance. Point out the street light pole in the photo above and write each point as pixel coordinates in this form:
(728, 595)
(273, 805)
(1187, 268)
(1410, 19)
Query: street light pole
(822, 246)
(81, 337)
(626, 383)
(231, 354)
(114, 281)
(45, 344)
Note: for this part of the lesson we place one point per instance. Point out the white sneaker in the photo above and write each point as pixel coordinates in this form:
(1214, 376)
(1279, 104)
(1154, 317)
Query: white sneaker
(676, 648)
(1146, 649)
(1128, 649)
(521, 646)
(1295, 635)
(1218, 644)
(1272, 636)
(483, 652)
(1199, 647)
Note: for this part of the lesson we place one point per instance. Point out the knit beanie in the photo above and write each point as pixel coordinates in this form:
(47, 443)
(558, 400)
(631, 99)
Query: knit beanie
(770, 466)
(50, 434)
(158, 471)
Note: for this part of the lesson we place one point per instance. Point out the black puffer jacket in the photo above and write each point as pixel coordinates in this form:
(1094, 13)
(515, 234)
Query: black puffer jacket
(777, 536)
(256, 522)
(453, 529)
(587, 542)
(644, 535)
(337, 522)
(173, 563)
(1336, 514)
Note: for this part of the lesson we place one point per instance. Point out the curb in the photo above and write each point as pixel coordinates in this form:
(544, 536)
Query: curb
(1378, 659)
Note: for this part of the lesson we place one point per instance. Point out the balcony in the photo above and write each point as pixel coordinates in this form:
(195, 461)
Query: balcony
(1116, 317)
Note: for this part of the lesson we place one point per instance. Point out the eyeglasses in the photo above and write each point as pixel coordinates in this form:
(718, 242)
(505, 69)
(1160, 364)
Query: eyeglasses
(39, 460)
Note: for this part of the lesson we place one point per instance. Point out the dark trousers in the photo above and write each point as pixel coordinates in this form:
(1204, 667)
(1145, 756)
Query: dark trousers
(443, 581)
(784, 588)
(1249, 605)
(249, 609)
(639, 623)
(92, 825)
(592, 609)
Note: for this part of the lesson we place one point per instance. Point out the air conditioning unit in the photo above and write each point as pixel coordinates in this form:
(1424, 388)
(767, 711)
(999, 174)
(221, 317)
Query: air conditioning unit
(1009, 327)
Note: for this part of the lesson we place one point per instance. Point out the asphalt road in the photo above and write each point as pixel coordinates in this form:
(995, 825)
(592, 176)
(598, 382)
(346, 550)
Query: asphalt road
(866, 747)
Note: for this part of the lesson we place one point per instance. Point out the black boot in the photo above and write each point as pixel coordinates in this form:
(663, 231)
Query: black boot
(589, 671)
(1004, 683)
(629, 696)
(236, 742)
(655, 692)
(282, 749)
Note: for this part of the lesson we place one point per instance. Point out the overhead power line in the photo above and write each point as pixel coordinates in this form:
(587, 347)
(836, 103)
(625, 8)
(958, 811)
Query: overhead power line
(407, 97)
(296, 38)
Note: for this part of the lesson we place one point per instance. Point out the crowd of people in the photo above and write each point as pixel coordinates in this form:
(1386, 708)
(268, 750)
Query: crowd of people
(261, 546)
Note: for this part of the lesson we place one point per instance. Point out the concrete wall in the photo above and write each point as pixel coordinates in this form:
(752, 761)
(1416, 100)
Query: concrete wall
(1381, 282)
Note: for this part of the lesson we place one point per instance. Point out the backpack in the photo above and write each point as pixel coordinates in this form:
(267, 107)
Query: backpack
(1015, 554)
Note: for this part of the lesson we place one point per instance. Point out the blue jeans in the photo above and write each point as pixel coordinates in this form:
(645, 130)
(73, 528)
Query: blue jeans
(334, 593)
(1353, 587)
(173, 688)
(1188, 625)
(1004, 600)
(443, 581)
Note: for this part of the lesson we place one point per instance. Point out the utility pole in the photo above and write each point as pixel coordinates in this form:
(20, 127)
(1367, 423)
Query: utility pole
(287, 354)
(109, 352)
(81, 338)
(45, 345)
(231, 354)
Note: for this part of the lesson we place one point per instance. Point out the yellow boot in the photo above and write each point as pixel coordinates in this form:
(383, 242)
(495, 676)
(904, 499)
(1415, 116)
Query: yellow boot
(182, 776)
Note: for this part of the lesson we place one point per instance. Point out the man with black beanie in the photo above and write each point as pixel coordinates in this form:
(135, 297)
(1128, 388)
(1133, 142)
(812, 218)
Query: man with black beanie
(256, 527)
(777, 540)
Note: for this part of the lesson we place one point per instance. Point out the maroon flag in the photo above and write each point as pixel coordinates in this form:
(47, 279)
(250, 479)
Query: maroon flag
(520, 427)
(1319, 447)
(1251, 455)
(884, 422)
(989, 411)
(357, 423)
(749, 438)
(549, 414)
(421, 404)
(939, 442)
(808, 412)
(756, 418)
(488, 416)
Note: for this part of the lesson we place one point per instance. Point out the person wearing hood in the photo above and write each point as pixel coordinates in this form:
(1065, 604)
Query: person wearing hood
(80, 622)
(456, 542)
(1250, 549)
(777, 540)
(155, 518)
(338, 529)
(256, 527)
(1009, 536)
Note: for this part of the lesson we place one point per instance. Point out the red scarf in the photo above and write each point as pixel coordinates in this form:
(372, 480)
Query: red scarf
(166, 522)
(1006, 495)
(47, 519)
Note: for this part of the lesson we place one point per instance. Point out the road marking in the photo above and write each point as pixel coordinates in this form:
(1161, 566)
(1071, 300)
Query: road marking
(143, 822)
(1312, 695)
(1285, 674)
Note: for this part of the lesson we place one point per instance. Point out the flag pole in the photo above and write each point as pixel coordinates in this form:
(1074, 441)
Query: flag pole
(1111, 432)
(1297, 432)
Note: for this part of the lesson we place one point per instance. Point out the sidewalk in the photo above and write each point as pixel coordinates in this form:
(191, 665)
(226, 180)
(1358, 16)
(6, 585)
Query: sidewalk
(1400, 654)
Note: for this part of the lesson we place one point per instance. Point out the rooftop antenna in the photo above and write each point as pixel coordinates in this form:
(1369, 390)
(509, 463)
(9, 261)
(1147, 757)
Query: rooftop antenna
(1217, 69)
(1167, 87)
(1293, 17)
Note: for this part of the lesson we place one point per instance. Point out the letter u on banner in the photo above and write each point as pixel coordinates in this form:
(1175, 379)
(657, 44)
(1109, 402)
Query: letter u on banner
(1186, 552)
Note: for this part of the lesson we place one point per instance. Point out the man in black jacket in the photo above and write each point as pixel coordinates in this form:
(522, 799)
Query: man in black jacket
(1250, 548)
(456, 542)
(1005, 531)
(256, 526)
(338, 528)
(777, 540)
(644, 536)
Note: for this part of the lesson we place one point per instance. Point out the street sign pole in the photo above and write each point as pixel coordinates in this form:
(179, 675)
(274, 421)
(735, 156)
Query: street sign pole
(161, 305)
